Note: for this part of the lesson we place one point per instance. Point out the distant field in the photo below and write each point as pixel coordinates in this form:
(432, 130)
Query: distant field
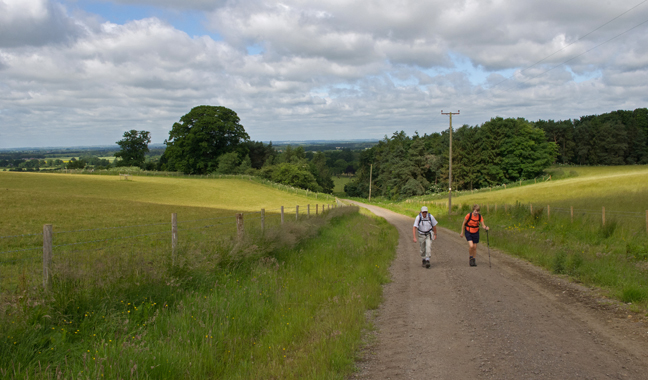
(339, 184)
(620, 188)
(30, 200)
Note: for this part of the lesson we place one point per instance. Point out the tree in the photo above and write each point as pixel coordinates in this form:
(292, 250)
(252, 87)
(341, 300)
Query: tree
(228, 163)
(76, 164)
(203, 135)
(293, 175)
(259, 153)
(134, 147)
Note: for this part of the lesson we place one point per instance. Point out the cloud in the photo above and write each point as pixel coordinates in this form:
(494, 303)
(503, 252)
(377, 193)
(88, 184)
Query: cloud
(35, 23)
(322, 69)
(202, 5)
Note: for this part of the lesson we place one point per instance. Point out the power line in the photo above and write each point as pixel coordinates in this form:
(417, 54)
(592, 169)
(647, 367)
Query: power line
(566, 46)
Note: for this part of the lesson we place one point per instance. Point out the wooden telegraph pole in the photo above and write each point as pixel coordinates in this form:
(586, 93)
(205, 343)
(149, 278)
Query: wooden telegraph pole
(370, 172)
(450, 172)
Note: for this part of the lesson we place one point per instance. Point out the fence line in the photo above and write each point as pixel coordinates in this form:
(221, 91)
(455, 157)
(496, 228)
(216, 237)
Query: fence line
(14, 236)
(571, 210)
(111, 228)
(49, 248)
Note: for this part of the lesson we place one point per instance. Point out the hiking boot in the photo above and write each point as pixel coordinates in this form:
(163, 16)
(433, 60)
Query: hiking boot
(423, 263)
(472, 262)
(427, 263)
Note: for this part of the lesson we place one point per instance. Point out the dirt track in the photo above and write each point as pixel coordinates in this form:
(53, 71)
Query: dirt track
(513, 321)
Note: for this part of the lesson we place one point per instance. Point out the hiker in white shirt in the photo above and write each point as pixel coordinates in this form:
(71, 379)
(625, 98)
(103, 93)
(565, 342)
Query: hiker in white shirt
(425, 228)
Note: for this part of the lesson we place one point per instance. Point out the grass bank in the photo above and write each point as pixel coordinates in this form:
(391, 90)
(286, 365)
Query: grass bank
(289, 304)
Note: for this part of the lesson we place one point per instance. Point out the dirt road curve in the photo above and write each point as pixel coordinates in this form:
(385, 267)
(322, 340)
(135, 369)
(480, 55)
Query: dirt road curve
(513, 321)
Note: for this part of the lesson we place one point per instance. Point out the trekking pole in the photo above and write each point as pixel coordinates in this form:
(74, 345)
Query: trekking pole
(488, 245)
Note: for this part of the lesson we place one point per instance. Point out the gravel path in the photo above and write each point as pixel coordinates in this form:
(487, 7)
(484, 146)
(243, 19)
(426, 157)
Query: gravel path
(511, 321)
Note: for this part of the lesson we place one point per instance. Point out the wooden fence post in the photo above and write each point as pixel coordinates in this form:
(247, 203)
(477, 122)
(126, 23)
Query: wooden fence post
(174, 236)
(571, 213)
(496, 208)
(488, 209)
(262, 220)
(47, 255)
(531, 208)
(316, 209)
(239, 226)
(282, 214)
(308, 210)
(297, 212)
(603, 215)
(548, 212)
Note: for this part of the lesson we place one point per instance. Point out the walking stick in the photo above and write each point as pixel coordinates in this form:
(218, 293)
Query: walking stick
(488, 245)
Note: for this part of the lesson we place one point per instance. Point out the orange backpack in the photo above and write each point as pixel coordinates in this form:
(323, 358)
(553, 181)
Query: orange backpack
(472, 225)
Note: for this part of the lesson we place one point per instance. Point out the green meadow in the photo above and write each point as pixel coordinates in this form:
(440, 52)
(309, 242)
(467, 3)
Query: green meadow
(288, 301)
(534, 222)
(339, 185)
(617, 188)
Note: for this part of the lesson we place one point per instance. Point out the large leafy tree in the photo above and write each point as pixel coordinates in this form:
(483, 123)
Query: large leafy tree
(202, 136)
(134, 147)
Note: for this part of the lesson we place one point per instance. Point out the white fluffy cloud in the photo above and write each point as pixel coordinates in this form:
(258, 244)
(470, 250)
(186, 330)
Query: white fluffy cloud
(35, 23)
(317, 69)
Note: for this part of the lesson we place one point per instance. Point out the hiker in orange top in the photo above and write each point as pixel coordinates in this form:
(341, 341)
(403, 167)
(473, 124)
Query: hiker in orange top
(471, 227)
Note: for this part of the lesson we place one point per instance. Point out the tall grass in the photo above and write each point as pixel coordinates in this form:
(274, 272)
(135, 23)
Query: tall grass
(286, 303)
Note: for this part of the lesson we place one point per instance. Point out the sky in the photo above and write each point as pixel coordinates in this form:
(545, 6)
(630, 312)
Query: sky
(82, 72)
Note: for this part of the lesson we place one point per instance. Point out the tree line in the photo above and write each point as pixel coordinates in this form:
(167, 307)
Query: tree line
(210, 139)
(499, 151)
(614, 138)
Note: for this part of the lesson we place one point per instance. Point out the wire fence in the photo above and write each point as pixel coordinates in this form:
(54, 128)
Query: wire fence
(456, 193)
(634, 219)
(21, 255)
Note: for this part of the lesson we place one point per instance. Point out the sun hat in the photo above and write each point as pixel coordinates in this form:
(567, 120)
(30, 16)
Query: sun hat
(423, 209)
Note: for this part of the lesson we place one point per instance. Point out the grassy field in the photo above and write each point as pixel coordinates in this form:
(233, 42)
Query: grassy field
(620, 188)
(105, 212)
(82, 201)
(286, 302)
(612, 256)
(339, 185)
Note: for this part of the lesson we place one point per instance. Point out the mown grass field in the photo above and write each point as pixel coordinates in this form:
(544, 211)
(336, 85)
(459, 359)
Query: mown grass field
(612, 256)
(288, 302)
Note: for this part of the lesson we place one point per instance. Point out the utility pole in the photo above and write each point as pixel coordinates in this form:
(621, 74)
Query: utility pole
(370, 173)
(450, 173)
